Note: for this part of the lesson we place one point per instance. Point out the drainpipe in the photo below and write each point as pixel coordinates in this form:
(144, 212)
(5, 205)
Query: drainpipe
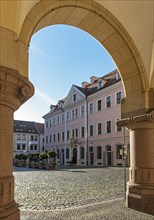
(86, 131)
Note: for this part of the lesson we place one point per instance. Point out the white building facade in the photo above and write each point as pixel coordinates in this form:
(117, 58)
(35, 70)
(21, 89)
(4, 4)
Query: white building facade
(28, 137)
(82, 128)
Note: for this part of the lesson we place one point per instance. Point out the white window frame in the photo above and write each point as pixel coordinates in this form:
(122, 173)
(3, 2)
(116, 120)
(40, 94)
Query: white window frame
(106, 127)
(97, 128)
(97, 105)
(74, 95)
(106, 101)
(83, 111)
(116, 98)
(89, 108)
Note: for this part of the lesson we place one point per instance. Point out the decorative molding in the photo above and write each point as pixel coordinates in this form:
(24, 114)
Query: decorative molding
(14, 88)
(136, 120)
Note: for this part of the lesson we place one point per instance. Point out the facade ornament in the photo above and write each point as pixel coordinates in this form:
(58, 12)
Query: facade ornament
(136, 120)
(15, 89)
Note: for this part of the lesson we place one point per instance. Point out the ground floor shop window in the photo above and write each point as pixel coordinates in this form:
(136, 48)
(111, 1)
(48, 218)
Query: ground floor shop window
(99, 152)
(82, 152)
(67, 153)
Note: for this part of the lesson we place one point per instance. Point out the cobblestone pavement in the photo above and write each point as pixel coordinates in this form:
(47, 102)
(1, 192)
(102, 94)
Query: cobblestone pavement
(88, 194)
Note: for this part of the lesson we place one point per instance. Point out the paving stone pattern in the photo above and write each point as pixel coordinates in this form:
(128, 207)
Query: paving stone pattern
(73, 194)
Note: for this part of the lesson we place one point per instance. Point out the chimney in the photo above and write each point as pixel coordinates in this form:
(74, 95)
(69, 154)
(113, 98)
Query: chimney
(92, 79)
(84, 84)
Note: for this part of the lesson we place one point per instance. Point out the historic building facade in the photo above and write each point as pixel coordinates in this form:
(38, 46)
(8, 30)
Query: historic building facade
(82, 128)
(28, 137)
(131, 45)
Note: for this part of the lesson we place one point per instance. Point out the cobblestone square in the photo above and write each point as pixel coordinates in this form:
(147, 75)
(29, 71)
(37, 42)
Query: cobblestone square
(77, 193)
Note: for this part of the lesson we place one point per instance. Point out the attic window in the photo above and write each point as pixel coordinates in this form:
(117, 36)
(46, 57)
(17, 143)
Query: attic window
(74, 97)
(99, 85)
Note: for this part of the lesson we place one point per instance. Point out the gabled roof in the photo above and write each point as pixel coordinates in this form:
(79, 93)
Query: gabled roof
(28, 127)
(39, 127)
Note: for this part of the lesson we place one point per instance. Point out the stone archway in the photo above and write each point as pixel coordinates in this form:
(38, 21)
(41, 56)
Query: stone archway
(137, 107)
(102, 25)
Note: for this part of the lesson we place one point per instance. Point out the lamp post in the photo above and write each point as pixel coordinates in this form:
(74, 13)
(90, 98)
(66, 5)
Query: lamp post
(73, 142)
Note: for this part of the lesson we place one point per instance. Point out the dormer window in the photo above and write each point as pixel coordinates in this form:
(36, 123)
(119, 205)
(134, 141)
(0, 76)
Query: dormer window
(74, 97)
(99, 84)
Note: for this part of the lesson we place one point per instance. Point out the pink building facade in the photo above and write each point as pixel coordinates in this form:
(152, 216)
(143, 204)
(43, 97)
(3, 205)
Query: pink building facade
(82, 128)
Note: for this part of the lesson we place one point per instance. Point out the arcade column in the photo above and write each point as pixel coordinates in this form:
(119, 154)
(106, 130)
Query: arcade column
(140, 188)
(14, 91)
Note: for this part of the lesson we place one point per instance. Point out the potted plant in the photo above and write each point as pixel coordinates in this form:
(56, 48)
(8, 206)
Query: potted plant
(52, 154)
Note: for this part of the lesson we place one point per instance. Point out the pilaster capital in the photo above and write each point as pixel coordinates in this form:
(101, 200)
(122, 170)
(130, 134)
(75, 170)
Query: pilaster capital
(14, 88)
(137, 121)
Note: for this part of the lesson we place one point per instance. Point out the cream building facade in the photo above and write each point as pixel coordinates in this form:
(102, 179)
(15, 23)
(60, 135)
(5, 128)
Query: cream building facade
(125, 28)
(88, 116)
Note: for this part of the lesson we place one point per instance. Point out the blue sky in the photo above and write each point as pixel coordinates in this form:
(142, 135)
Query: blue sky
(59, 56)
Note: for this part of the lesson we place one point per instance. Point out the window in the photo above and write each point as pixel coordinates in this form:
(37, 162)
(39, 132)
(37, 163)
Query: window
(118, 98)
(99, 152)
(18, 136)
(73, 114)
(63, 136)
(23, 146)
(54, 138)
(91, 130)
(62, 118)
(46, 124)
(99, 84)
(99, 105)
(118, 129)
(108, 127)
(18, 146)
(82, 131)
(31, 147)
(68, 134)
(23, 137)
(35, 138)
(91, 108)
(76, 132)
(82, 153)
(31, 138)
(50, 123)
(82, 111)
(99, 128)
(76, 113)
(54, 122)
(108, 102)
(108, 147)
(50, 138)
(58, 136)
(68, 116)
(58, 120)
(74, 97)
(46, 139)
(73, 133)
(67, 153)
(58, 153)
(118, 148)
(35, 147)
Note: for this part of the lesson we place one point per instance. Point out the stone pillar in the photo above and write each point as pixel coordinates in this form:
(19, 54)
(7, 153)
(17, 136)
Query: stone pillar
(14, 91)
(78, 155)
(140, 188)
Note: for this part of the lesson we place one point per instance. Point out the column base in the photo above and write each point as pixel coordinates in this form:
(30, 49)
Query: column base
(140, 198)
(10, 212)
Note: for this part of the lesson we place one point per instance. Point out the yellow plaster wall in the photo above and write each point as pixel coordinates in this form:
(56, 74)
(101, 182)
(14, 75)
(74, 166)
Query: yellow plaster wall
(136, 16)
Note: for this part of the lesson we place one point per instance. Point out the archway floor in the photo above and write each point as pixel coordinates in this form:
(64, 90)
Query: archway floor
(73, 193)
(106, 210)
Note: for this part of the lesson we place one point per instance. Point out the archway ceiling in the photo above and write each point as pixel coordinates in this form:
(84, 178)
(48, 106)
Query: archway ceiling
(137, 18)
